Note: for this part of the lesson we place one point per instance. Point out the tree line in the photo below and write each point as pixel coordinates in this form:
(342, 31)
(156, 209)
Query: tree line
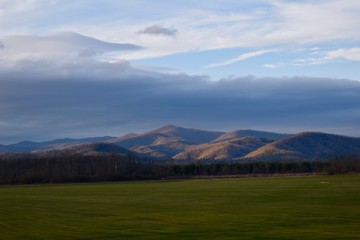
(32, 168)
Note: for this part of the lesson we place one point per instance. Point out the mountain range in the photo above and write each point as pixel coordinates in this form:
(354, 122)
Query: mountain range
(58, 144)
(184, 144)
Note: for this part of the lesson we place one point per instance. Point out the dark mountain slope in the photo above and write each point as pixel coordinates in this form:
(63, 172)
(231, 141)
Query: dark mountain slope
(86, 149)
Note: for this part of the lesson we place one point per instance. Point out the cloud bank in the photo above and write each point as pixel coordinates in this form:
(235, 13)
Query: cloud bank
(105, 98)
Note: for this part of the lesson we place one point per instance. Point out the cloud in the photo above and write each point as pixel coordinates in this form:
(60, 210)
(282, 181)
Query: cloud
(291, 23)
(320, 57)
(271, 66)
(63, 53)
(158, 30)
(61, 86)
(350, 54)
(204, 25)
(240, 58)
(267, 24)
(43, 100)
(58, 45)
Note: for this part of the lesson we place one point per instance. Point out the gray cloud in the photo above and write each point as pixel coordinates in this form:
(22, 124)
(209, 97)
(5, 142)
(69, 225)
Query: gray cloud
(60, 47)
(64, 41)
(94, 99)
(158, 30)
(63, 55)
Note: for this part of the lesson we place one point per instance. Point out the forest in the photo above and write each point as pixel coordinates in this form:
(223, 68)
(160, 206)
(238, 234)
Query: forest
(28, 168)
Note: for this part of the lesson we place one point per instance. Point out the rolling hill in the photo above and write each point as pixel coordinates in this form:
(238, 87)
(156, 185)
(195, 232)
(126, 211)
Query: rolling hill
(178, 143)
(165, 142)
(308, 146)
(224, 150)
(188, 135)
(97, 149)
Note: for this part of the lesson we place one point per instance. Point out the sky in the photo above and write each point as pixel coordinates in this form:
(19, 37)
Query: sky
(76, 68)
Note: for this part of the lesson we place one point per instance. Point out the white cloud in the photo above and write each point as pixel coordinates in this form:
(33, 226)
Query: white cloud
(321, 57)
(240, 58)
(314, 22)
(18, 6)
(202, 26)
(271, 66)
(281, 24)
(351, 54)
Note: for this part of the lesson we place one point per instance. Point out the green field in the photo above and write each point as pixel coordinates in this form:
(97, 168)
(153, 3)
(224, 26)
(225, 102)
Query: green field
(313, 207)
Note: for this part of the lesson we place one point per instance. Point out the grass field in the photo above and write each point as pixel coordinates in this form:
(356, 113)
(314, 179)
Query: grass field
(313, 207)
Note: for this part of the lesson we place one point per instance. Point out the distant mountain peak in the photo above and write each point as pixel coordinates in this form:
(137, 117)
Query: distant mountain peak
(168, 127)
(171, 126)
(191, 135)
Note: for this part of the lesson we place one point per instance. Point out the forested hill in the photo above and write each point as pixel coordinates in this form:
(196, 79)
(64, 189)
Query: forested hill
(186, 144)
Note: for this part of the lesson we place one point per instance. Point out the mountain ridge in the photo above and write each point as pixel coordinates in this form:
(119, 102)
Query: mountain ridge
(308, 145)
(223, 150)
(251, 133)
(28, 146)
(172, 142)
